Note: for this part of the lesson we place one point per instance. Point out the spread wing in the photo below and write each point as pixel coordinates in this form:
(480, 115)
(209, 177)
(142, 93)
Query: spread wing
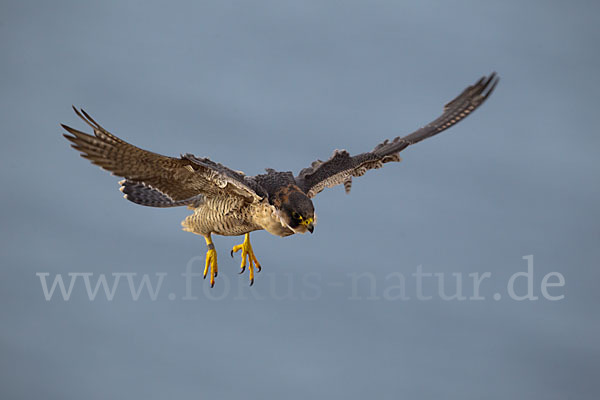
(341, 167)
(155, 180)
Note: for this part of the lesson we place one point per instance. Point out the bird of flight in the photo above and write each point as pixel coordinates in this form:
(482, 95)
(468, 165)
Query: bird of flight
(227, 202)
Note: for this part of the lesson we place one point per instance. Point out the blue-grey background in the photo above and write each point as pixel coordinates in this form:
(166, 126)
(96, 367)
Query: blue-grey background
(278, 84)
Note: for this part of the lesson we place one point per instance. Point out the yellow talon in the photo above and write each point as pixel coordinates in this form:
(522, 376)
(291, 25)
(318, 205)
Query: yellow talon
(211, 261)
(246, 249)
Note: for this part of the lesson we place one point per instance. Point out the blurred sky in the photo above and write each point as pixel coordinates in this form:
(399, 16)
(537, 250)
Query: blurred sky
(278, 84)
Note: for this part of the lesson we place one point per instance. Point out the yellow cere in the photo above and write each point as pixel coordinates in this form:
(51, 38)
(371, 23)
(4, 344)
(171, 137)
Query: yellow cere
(307, 221)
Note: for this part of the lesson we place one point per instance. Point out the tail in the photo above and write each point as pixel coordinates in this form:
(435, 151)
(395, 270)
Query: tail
(139, 193)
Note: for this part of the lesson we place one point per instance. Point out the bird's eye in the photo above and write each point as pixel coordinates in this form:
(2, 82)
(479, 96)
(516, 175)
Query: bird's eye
(295, 215)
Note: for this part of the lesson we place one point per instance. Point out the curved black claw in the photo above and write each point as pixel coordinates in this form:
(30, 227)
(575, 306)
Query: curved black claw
(258, 268)
(204, 276)
(212, 285)
(243, 269)
(231, 253)
(251, 282)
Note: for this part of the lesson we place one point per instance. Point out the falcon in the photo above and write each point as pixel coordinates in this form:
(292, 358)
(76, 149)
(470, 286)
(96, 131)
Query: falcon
(229, 203)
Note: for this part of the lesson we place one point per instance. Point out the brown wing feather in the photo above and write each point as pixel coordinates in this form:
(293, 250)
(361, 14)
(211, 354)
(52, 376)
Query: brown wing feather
(341, 167)
(179, 179)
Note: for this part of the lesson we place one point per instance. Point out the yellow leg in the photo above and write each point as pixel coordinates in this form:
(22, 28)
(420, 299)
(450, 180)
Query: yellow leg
(246, 249)
(211, 261)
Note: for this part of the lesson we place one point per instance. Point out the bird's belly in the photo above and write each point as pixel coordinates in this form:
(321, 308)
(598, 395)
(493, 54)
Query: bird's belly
(207, 220)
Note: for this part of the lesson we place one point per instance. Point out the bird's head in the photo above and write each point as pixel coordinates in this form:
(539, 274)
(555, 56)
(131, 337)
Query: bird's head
(298, 212)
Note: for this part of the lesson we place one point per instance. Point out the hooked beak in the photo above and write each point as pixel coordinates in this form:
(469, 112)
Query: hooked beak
(310, 228)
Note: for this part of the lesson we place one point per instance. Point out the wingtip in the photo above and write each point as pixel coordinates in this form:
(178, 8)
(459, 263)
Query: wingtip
(86, 115)
(491, 84)
(72, 131)
(489, 78)
(66, 128)
(70, 135)
(77, 111)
